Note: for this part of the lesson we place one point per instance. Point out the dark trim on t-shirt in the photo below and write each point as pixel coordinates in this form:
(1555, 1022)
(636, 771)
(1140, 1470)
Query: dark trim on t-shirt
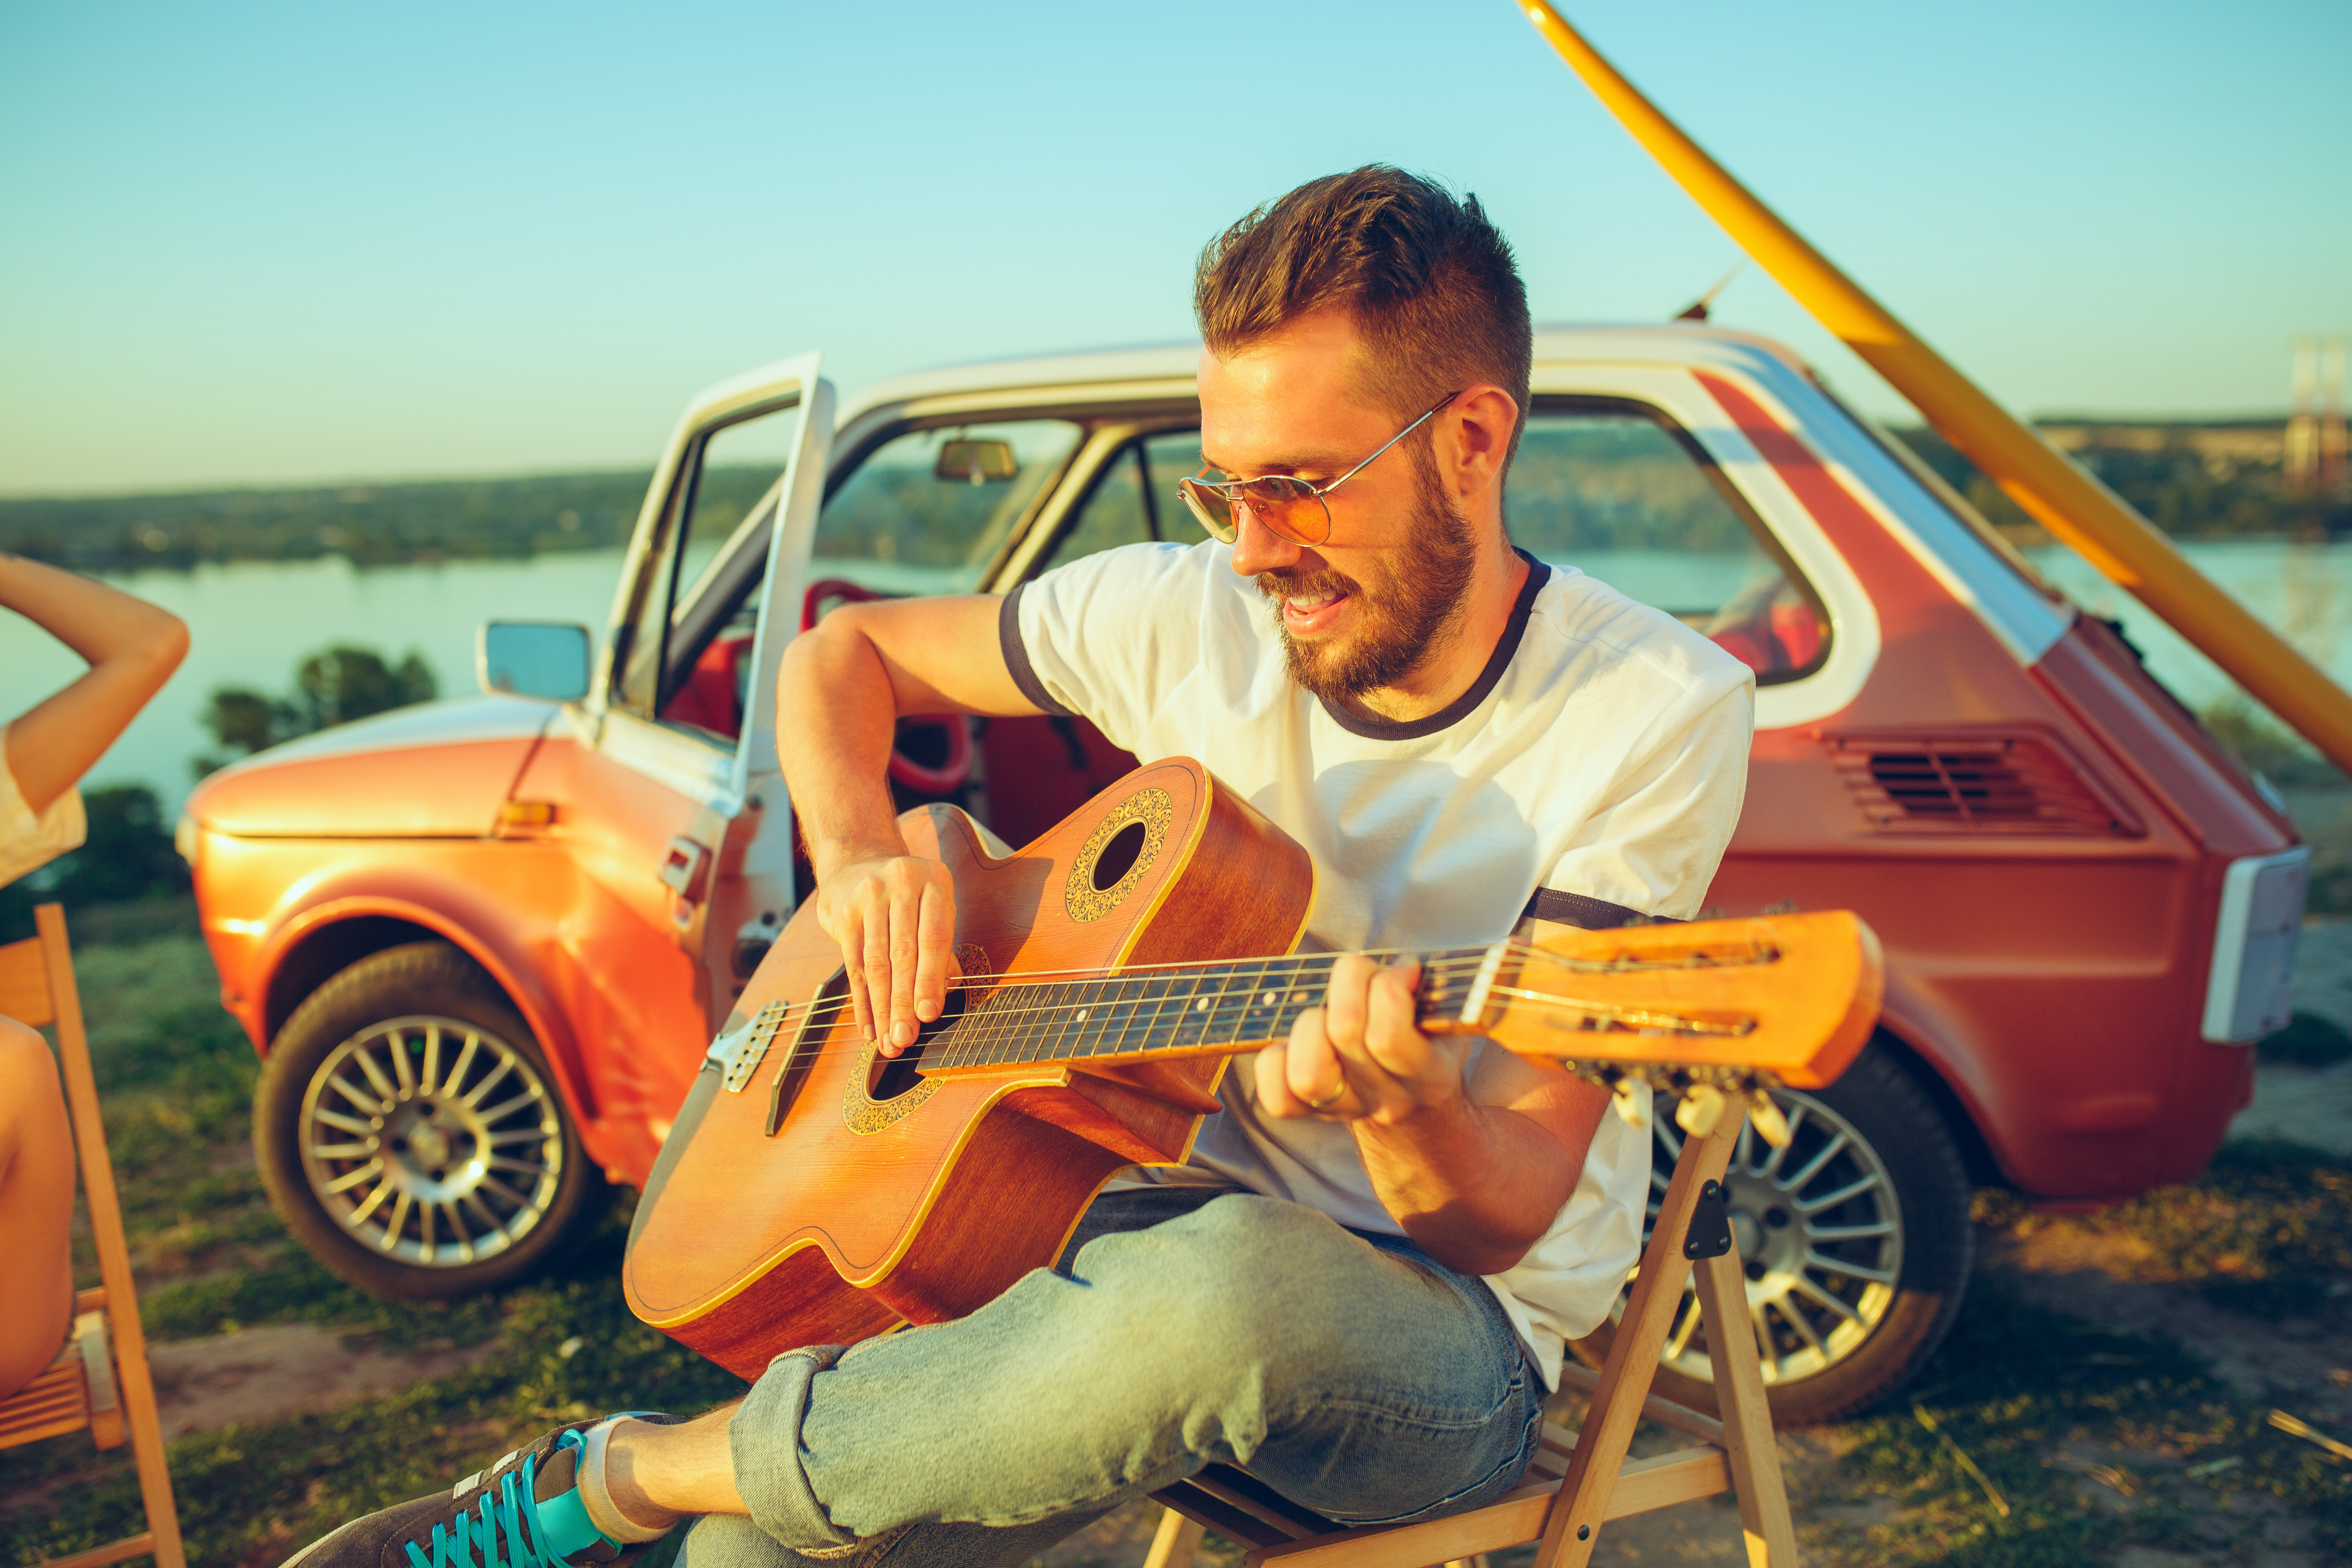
(1016, 654)
(1453, 712)
(1590, 913)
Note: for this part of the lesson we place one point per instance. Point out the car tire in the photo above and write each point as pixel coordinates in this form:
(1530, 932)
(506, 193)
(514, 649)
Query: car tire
(411, 1137)
(1899, 1287)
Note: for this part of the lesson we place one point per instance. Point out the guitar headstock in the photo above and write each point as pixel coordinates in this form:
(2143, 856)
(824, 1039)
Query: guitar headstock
(1718, 1010)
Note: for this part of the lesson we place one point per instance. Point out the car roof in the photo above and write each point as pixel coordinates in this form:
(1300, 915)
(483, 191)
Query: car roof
(1161, 364)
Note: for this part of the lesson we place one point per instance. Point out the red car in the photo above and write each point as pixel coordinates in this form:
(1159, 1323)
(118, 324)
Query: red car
(483, 945)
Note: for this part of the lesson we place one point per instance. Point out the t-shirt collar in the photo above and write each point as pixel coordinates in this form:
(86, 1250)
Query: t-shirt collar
(1506, 648)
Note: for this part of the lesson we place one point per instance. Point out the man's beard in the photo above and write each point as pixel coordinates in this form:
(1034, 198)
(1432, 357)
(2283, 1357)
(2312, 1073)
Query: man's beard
(1407, 613)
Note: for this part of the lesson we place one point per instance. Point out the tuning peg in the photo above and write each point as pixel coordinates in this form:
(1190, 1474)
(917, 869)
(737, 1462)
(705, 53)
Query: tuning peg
(1701, 1109)
(1765, 1116)
(1631, 1102)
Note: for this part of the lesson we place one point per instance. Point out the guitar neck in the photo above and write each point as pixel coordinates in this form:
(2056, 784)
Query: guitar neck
(1197, 1010)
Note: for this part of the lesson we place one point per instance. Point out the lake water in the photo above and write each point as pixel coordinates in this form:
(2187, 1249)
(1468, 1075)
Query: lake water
(253, 622)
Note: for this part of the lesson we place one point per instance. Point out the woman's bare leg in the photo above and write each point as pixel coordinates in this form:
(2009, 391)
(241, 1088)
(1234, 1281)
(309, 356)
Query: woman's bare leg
(37, 1190)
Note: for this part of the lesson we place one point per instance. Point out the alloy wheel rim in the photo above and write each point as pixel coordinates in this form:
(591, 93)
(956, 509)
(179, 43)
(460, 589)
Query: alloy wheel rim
(1819, 1230)
(432, 1140)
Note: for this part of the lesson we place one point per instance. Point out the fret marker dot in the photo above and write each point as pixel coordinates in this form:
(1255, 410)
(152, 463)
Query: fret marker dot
(1081, 1015)
(1266, 1000)
(1297, 998)
(1202, 1006)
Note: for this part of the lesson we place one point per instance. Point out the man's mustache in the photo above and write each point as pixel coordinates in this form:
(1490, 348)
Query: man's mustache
(1306, 585)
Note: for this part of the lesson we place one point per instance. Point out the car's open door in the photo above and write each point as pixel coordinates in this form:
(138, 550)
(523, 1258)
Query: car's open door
(670, 797)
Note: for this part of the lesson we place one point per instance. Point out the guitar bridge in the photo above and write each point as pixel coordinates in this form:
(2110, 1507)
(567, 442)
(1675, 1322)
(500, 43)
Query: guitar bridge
(738, 1052)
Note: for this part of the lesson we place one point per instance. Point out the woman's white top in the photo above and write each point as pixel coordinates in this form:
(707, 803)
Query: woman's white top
(28, 841)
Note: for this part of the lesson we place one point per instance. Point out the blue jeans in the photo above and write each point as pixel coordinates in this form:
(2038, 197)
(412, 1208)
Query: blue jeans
(1347, 1371)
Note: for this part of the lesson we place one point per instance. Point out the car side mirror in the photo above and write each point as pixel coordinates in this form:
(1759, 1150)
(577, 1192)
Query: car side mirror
(976, 462)
(533, 658)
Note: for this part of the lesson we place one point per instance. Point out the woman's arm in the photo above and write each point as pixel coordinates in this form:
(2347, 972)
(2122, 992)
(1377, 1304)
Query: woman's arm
(132, 648)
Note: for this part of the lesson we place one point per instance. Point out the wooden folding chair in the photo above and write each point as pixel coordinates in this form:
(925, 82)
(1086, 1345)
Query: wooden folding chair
(99, 1380)
(1581, 1480)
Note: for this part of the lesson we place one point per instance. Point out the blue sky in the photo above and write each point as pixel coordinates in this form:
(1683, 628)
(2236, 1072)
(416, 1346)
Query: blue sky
(276, 244)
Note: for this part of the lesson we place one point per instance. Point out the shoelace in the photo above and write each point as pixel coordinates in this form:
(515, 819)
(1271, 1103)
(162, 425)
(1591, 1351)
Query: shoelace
(511, 1512)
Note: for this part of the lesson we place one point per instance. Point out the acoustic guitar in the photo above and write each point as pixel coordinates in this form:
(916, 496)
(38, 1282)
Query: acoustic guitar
(813, 1192)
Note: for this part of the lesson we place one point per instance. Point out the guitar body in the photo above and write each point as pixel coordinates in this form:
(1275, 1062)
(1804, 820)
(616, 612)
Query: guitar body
(880, 1196)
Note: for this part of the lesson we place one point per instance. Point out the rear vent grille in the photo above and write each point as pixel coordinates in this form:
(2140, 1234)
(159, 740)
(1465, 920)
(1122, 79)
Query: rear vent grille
(2005, 784)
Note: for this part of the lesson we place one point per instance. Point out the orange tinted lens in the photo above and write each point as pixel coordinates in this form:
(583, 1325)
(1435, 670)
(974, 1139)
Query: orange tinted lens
(1289, 507)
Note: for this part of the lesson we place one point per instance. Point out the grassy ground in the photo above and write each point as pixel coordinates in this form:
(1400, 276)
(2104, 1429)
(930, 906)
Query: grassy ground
(2092, 1440)
(2089, 1441)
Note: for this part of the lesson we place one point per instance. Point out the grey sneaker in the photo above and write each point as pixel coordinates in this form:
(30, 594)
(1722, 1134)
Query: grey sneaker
(524, 1512)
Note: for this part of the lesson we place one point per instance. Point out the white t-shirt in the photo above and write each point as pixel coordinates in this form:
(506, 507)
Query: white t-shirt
(28, 841)
(1593, 772)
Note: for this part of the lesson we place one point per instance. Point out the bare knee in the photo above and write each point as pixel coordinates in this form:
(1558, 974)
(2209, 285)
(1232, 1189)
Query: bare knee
(30, 1098)
(37, 1183)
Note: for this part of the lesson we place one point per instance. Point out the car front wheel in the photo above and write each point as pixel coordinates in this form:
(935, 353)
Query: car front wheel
(1854, 1239)
(410, 1133)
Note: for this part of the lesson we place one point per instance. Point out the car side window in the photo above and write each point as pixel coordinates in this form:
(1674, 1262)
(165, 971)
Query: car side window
(685, 657)
(1120, 510)
(1134, 500)
(928, 511)
(1617, 492)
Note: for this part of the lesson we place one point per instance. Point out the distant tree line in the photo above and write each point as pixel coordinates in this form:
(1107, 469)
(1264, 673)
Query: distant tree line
(2180, 489)
(2187, 493)
(374, 525)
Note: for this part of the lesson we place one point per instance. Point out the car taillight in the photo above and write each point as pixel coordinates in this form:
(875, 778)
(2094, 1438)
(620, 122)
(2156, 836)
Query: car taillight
(2254, 946)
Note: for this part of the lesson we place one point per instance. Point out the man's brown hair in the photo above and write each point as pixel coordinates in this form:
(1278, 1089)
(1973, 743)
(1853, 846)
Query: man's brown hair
(1427, 279)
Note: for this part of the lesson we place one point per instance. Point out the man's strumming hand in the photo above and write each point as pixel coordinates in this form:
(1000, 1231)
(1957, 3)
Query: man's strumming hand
(894, 915)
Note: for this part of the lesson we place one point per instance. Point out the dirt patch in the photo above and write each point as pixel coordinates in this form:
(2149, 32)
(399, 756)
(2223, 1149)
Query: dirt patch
(263, 1373)
(2305, 1362)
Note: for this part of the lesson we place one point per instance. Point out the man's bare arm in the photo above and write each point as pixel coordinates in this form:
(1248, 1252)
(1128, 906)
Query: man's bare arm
(839, 695)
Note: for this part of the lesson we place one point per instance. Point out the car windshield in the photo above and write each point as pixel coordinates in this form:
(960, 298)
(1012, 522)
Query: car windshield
(927, 510)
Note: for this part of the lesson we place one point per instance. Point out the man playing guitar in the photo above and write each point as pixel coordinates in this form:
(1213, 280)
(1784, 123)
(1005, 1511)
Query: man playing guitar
(1360, 1288)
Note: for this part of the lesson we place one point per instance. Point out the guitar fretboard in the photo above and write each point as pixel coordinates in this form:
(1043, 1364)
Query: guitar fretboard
(1159, 1011)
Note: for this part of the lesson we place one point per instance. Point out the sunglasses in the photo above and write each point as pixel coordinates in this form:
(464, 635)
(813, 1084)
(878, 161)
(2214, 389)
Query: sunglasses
(1289, 507)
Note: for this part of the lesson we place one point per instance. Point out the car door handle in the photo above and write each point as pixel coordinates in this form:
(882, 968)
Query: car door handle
(681, 870)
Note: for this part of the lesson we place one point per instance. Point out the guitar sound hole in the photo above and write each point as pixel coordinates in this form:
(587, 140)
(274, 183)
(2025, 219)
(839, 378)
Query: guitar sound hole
(895, 1075)
(1117, 856)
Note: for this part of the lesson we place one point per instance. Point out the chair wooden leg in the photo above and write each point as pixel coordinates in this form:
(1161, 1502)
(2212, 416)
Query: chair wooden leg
(1177, 1542)
(1747, 1418)
(1576, 1516)
(146, 1425)
(138, 1390)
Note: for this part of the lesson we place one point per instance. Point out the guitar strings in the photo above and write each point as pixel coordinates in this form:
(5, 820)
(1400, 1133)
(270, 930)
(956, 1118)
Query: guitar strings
(1513, 948)
(828, 1011)
(825, 1013)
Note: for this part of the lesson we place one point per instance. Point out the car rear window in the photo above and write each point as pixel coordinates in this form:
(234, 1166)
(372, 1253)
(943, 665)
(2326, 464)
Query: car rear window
(1620, 492)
